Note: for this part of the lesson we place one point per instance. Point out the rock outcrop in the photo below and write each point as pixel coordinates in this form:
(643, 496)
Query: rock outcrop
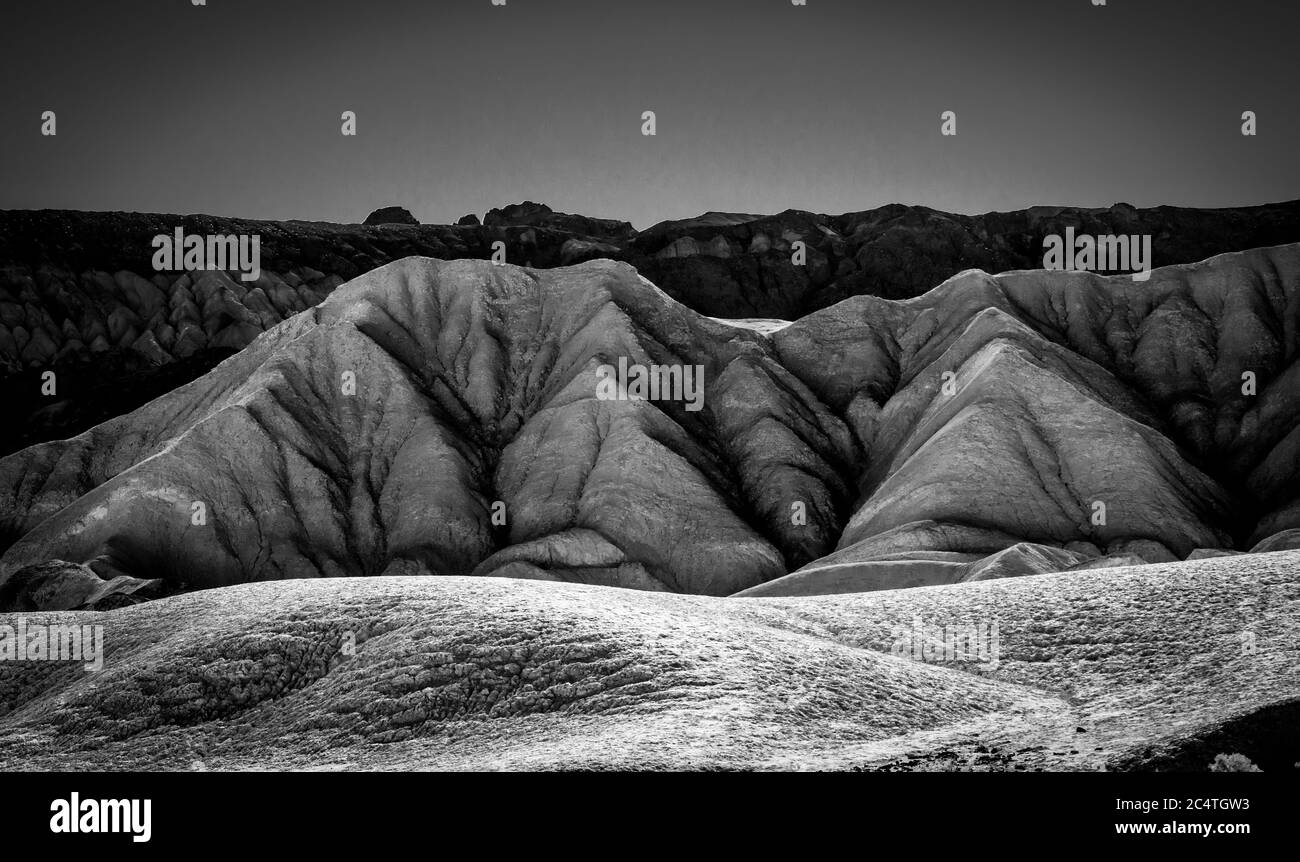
(391, 215)
(540, 215)
(58, 585)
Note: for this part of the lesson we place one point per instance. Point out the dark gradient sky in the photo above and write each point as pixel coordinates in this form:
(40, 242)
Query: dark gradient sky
(233, 108)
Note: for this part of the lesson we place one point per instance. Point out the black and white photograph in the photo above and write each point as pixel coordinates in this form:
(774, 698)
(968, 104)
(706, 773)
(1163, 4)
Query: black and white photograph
(413, 389)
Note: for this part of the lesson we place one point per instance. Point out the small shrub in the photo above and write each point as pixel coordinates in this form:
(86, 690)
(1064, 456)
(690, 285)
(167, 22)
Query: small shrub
(1234, 763)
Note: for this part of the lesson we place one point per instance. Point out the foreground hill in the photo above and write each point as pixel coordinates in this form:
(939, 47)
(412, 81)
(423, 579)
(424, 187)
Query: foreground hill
(446, 418)
(1155, 667)
(78, 291)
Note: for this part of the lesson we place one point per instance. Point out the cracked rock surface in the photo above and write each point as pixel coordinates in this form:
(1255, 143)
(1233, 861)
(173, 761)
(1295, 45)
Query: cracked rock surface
(1146, 667)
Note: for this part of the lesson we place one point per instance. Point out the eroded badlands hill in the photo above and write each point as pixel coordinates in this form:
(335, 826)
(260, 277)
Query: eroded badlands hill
(443, 418)
(1154, 667)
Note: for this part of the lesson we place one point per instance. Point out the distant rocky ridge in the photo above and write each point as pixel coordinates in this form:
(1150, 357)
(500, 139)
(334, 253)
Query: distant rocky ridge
(78, 291)
(540, 215)
(966, 434)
